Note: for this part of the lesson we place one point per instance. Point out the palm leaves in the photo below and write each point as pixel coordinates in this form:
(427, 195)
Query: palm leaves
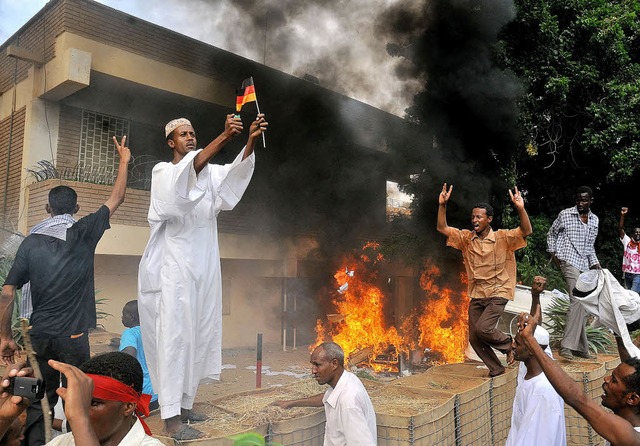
(555, 318)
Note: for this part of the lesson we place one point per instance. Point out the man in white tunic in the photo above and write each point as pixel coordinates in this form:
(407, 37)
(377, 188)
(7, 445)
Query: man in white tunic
(538, 411)
(179, 280)
(351, 419)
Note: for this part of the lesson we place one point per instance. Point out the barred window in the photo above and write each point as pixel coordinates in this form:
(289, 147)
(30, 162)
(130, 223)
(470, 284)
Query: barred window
(98, 160)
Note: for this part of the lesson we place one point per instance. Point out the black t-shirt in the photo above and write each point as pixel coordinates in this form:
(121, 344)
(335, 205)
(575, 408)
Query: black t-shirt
(61, 276)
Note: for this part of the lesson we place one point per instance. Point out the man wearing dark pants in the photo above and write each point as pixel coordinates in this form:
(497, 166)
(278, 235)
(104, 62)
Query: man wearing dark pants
(570, 242)
(58, 262)
(490, 264)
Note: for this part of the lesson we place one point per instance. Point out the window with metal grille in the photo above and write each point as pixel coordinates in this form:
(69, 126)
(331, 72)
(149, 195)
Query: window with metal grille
(98, 159)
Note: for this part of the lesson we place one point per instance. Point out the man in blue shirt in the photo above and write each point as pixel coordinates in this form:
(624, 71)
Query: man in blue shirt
(131, 343)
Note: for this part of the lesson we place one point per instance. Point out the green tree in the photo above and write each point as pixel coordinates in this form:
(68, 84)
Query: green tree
(579, 61)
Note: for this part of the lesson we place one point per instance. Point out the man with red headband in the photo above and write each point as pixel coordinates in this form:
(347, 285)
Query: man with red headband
(104, 402)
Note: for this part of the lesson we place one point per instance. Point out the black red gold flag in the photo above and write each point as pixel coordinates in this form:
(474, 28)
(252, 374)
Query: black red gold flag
(246, 93)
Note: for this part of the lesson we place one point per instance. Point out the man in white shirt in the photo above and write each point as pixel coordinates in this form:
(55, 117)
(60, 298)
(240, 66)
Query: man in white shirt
(538, 411)
(351, 419)
(620, 391)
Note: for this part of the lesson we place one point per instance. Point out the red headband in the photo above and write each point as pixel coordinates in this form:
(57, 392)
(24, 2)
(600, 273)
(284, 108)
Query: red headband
(109, 389)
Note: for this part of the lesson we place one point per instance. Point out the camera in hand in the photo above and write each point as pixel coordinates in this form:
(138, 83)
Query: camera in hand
(26, 387)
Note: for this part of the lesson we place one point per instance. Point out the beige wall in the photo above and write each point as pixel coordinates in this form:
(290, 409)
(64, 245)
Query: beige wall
(252, 300)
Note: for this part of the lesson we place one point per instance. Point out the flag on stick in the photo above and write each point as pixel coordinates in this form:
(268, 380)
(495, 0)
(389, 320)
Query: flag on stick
(246, 93)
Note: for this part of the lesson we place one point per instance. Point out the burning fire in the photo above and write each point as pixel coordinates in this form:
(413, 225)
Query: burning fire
(443, 323)
(359, 326)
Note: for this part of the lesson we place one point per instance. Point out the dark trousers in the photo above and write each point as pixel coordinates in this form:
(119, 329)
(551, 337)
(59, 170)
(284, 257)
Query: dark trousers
(483, 334)
(73, 351)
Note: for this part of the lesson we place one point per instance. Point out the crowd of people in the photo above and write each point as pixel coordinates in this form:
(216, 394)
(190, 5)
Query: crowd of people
(162, 362)
(543, 386)
(179, 295)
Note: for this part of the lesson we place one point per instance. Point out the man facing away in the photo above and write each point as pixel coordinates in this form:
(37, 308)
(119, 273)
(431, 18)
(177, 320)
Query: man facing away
(131, 344)
(631, 256)
(58, 261)
(351, 420)
(570, 241)
(538, 411)
(490, 264)
(179, 280)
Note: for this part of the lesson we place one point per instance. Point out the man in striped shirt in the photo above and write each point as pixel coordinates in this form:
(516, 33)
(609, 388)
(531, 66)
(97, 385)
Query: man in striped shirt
(570, 242)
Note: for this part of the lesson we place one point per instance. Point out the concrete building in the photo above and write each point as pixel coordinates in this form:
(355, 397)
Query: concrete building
(79, 72)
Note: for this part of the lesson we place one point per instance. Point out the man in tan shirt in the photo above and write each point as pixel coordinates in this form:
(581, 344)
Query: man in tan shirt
(490, 264)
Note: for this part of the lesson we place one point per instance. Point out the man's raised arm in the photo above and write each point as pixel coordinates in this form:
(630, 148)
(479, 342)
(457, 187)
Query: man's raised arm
(442, 208)
(120, 185)
(518, 203)
(610, 426)
(232, 127)
(623, 213)
(537, 287)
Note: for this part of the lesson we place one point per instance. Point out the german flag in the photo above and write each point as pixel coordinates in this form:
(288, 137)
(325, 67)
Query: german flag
(246, 93)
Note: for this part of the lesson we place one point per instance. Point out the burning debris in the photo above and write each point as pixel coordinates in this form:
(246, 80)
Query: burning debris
(436, 332)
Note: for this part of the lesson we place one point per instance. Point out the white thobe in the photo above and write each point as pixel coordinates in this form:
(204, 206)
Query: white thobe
(179, 280)
(615, 307)
(351, 420)
(538, 415)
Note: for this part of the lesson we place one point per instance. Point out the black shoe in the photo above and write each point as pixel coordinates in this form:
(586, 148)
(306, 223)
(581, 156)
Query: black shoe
(190, 416)
(583, 355)
(566, 353)
(186, 433)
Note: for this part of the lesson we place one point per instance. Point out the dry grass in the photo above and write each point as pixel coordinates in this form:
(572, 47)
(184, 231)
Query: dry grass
(403, 402)
(306, 387)
(256, 408)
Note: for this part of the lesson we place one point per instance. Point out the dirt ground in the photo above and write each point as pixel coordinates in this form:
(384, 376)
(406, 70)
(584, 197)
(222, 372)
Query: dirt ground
(279, 368)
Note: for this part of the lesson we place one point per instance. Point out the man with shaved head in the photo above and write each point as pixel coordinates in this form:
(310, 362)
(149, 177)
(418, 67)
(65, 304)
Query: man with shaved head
(179, 281)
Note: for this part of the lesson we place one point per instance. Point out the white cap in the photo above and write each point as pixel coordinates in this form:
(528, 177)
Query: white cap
(172, 125)
(587, 281)
(541, 335)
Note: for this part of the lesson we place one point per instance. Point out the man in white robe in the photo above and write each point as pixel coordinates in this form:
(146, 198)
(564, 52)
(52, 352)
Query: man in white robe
(179, 280)
(601, 294)
(538, 411)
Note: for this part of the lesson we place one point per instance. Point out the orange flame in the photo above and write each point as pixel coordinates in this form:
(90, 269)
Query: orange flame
(360, 322)
(443, 324)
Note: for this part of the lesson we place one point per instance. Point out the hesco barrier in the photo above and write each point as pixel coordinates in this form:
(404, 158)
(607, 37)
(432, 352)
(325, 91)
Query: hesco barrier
(473, 405)
(450, 405)
(579, 432)
(432, 426)
(306, 430)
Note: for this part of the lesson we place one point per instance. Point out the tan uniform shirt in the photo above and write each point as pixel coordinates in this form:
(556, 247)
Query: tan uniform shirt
(490, 262)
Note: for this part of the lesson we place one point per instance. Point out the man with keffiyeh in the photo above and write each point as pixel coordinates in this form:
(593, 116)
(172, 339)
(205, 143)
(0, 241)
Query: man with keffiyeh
(57, 259)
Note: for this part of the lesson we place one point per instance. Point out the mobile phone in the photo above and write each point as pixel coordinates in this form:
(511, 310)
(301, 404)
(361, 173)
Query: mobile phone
(26, 387)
